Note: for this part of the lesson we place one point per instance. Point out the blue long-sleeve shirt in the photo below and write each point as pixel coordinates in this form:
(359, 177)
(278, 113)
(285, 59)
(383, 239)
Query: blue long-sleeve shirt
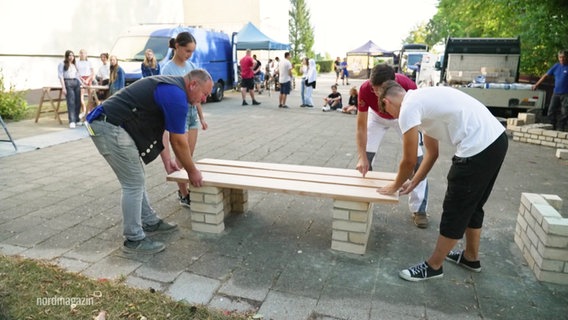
(119, 82)
(148, 71)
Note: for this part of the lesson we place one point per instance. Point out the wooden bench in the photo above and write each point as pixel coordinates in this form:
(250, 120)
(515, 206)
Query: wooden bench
(55, 102)
(226, 184)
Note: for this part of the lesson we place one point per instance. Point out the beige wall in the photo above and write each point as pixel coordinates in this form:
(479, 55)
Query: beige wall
(225, 15)
(44, 33)
(54, 26)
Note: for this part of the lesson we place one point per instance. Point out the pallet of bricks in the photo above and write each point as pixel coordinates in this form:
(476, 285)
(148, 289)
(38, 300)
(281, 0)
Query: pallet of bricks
(524, 129)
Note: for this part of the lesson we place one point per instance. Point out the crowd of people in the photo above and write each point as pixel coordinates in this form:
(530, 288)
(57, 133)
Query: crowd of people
(136, 124)
(78, 77)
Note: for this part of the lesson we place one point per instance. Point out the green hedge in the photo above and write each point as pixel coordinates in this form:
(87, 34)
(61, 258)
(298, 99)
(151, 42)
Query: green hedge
(323, 66)
(12, 103)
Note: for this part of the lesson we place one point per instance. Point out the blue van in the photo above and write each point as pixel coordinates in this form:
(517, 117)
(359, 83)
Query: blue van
(215, 52)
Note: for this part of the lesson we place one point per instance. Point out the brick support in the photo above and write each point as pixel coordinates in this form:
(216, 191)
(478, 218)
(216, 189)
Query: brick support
(351, 226)
(208, 206)
(541, 233)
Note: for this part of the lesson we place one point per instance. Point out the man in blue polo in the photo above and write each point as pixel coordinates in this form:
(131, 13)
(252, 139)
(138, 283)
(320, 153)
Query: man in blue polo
(128, 127)
(559, 99)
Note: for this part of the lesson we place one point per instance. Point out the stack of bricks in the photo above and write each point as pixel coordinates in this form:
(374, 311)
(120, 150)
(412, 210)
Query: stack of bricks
(542, 235)
(525, 130)
(351, 226)
(210, 206)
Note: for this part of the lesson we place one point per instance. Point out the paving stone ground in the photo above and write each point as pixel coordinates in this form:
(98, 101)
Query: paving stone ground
(59, 201)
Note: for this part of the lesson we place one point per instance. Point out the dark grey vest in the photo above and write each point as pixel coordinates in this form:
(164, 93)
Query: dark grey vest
(134, 109)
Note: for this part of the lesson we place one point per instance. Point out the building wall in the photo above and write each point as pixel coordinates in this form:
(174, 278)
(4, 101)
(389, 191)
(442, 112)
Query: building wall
(232, 17)
(34, 41)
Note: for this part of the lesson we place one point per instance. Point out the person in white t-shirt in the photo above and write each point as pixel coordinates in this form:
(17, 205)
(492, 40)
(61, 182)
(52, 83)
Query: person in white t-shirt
(103, 75)
(87, 73)
(285, 80)
(448, 115)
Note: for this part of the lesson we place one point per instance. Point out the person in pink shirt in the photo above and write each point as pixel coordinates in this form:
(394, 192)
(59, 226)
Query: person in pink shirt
(372, 124)
(247, 64)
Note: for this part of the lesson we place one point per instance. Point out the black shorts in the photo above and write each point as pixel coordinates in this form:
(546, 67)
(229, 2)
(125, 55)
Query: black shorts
(247, 84)
(470, 181)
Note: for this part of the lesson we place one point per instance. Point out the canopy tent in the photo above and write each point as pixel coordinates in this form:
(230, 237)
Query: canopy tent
(359, 60)
(250, 37)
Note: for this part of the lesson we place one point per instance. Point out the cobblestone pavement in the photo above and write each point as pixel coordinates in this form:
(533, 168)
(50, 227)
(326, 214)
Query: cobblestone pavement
(61, 203)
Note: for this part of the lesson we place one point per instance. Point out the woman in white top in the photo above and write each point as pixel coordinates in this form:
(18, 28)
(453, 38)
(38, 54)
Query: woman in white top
(304, 70)
(87, 73)
(71, 86)
(184, 45)
(310, 83)
(103, 74)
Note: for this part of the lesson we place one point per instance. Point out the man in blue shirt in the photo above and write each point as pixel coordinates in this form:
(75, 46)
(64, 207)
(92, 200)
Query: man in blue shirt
(128, 127)
(559, 100)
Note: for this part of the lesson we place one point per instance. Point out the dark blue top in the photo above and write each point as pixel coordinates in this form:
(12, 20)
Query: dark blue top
(147, 71)
(119, 82)
(560, 73)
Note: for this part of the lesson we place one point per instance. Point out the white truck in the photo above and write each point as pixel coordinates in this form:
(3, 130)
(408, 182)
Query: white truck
(488, 70)
(409, 59)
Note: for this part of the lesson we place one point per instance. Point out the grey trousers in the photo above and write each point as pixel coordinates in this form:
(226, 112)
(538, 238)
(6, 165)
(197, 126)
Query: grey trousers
(119, 150)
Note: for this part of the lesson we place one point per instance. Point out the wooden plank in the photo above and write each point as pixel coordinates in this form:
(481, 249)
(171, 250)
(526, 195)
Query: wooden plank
(284, 175)
(334, 191)
(299, 168)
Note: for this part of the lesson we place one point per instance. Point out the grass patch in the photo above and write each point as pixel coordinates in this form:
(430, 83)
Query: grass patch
(31, 289)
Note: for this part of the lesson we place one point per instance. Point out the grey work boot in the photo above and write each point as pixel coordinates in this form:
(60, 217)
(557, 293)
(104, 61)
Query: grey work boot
(144, 246)
(160, 227)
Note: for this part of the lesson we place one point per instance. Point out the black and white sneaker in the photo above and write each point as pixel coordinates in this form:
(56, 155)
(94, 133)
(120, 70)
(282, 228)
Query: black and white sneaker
(420, 272)
(457, 257)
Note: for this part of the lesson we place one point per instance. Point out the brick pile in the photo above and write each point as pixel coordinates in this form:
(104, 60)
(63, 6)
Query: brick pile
(541, 233)
(524, 129)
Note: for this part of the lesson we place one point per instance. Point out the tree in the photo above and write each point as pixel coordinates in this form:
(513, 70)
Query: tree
(301, 32)
(541, 25)
(418, 35)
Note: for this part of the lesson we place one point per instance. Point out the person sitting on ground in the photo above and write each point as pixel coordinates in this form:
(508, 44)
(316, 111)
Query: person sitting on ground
(351, 106)
(333, 100)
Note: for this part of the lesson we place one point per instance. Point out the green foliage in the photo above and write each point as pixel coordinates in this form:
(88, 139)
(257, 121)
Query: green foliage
(297, 70)
(418, 35)
(12, 103)
(541, 25)
(324, 65)
(301, 33)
